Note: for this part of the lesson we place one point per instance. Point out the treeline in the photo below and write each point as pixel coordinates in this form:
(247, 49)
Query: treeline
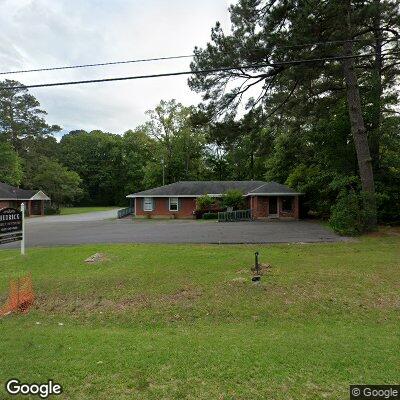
(180, 143)
(96, 168)
(329, 128)
(319, 94)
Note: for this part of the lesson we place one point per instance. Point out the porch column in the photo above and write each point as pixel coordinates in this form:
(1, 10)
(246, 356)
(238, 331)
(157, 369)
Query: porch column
(255, 207)
(296, 206)
(278, 206)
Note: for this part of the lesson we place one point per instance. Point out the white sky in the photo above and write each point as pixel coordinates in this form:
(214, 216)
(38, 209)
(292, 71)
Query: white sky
(42, 33)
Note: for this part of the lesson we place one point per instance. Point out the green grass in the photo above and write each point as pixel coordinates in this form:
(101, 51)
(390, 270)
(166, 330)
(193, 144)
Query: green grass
(184, 322)
(81, 210)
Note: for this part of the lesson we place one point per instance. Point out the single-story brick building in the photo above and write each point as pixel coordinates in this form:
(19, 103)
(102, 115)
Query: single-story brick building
(34, 200)
(178, 200)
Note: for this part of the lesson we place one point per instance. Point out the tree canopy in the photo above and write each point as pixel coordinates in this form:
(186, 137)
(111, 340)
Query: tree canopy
(308, 98)
(319, 76)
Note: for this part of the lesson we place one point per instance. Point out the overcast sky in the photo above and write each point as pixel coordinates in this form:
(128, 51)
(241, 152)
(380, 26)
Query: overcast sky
(41, 33)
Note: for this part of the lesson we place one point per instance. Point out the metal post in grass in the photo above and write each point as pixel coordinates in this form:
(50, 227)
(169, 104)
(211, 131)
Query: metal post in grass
(256, 277)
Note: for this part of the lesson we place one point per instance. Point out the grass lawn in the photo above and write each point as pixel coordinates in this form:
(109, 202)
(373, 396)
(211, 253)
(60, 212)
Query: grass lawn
(184, 322)
(81, 210)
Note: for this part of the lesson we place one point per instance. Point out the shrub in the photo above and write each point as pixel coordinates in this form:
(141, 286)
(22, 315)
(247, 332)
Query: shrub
(352, 213)
(52, 209)
(233, 198)
(321, 188)
(210, 215)
(204, 202)
(199, 213)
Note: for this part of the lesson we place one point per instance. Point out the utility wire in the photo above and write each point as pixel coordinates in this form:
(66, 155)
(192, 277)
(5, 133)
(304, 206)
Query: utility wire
(202, 72)
(24, 71)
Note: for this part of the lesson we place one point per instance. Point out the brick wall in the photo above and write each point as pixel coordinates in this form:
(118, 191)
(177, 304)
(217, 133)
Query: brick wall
(4, 204)
(33, 207)
(161, 208)
(260, 207)
(295, 209)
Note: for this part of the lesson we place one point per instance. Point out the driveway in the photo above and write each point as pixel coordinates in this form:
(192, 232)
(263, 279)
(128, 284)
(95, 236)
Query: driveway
(84, 228)
(84, 217)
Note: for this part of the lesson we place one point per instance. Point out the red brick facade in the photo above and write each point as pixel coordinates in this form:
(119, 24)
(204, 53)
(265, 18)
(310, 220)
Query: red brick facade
(187, 205)
(4, 204)
(260, 207)
(33, 207)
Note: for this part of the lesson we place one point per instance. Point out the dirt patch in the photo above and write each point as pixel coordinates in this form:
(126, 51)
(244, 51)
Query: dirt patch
(82, 305)
(239, 280)
(184, 296)
(242, 271)
(262, 269)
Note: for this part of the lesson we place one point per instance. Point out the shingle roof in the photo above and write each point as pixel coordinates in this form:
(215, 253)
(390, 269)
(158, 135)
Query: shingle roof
(8, 192)
(273, 187)
(198, 188)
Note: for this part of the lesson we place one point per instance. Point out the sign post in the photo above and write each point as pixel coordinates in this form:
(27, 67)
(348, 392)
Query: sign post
(12, 226)
(23, 229)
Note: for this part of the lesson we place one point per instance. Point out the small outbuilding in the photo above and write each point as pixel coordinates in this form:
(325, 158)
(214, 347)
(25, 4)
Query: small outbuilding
(266, 200)
(34, 200)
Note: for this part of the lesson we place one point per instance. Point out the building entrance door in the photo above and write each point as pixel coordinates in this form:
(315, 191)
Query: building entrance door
(273, 207)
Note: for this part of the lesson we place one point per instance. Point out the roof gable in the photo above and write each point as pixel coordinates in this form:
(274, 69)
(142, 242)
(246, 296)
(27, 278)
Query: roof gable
(8, 192)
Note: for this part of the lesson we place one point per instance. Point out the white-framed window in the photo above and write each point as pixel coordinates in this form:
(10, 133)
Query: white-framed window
(173, 204)
(148, 204)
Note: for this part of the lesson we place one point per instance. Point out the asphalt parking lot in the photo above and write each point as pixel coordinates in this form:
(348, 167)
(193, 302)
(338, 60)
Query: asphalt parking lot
(105, 228)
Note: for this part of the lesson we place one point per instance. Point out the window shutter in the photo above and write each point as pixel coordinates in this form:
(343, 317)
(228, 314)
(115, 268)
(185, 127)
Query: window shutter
(167, 205)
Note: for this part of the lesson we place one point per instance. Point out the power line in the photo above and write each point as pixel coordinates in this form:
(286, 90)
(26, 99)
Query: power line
(24, 71)
(201, 72)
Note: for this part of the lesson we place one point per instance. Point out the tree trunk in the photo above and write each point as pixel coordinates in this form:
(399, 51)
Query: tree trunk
(358, 130)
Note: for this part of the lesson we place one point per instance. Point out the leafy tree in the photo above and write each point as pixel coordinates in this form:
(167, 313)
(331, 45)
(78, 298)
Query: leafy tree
(233, 198)
(38, 148)
(349, 217)
(269, 35)
(97, 158)
(138, 150)
(204, 202)
(243, 144)
(10, 165)
(60, 184)
(21, 119)
(181, 147)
